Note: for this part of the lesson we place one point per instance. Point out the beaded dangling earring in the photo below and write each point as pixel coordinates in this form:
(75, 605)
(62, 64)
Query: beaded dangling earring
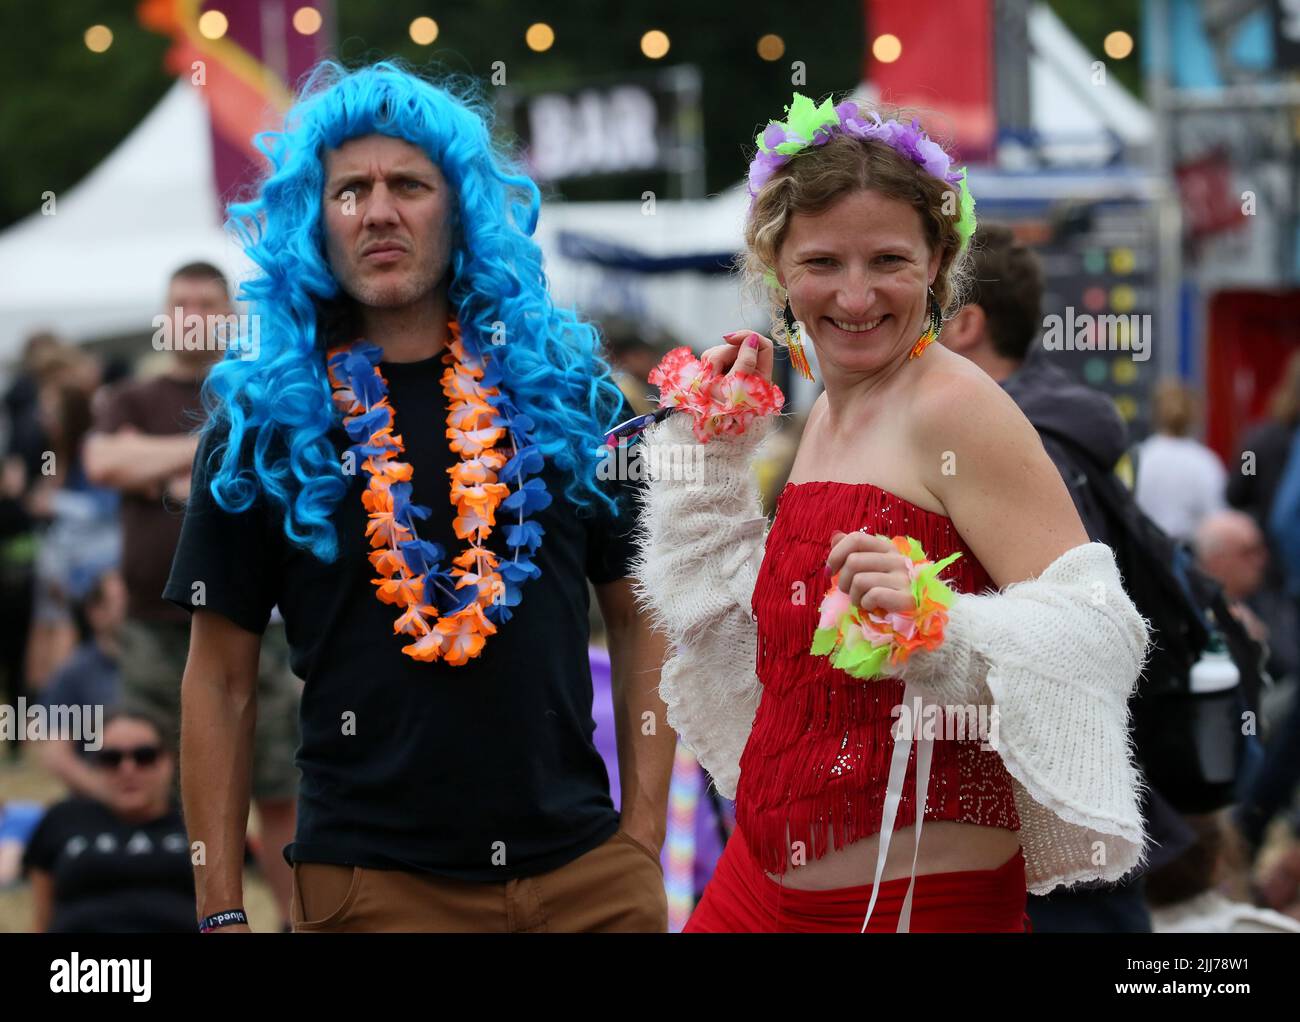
(794, 343)
(932, 330)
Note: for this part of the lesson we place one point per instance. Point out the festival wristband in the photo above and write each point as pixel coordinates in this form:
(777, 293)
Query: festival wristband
(864, 643)
(232, 917)
(720, 403)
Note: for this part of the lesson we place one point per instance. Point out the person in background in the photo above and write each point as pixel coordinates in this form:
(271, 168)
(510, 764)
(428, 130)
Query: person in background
(17, 559)
(88, 678)
(631, 358)
(1272, 788)
(143, 446)
(18, 821)
(1231, 549)
(81, 531)
(120, 863)
(997, 329)
(24, 442)
(1284, 524)
(26, 438)
(1252, 484)
(1179, 479)
(1184, 894)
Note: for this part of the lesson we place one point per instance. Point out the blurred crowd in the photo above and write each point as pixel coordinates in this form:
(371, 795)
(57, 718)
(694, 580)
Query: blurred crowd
(95, 474)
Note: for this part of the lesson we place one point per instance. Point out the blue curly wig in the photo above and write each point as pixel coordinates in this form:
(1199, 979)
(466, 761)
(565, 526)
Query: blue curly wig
(276, 410)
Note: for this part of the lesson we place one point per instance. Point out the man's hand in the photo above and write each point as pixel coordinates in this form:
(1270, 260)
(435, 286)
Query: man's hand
(644, 830)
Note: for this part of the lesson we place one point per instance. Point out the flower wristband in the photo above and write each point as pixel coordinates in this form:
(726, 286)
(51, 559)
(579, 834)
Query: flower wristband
(865, 643)
(719, 403)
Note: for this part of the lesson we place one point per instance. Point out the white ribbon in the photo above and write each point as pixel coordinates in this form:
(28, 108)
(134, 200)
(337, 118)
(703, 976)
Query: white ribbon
(894, 794)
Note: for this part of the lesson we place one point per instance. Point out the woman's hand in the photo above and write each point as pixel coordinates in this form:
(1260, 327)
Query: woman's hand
(872, 571)
(744, 352)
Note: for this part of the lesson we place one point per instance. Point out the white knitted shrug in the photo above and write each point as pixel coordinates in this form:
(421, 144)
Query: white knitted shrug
(1057, 655)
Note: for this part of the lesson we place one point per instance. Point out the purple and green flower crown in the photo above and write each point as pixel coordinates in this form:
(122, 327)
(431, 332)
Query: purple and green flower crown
(808, 124)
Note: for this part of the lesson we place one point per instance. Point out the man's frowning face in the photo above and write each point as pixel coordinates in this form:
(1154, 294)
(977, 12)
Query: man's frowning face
(389, 216)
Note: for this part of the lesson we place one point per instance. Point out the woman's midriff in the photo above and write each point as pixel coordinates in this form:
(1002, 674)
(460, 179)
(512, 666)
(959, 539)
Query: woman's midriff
(946, 847)
(821, 749)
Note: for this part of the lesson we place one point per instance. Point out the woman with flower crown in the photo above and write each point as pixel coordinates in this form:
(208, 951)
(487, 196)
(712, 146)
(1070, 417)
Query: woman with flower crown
(914, 684)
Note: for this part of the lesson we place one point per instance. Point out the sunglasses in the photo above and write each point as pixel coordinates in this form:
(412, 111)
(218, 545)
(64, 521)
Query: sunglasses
(144, 755)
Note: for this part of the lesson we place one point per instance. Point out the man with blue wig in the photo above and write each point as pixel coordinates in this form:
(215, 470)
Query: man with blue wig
(403, 457)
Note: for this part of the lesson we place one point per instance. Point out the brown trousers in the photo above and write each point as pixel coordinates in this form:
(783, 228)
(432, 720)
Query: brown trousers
(617, 887)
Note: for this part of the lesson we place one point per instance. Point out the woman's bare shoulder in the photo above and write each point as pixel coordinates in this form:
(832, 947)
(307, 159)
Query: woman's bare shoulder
(952, 396)
(984, 461)
(818, 407)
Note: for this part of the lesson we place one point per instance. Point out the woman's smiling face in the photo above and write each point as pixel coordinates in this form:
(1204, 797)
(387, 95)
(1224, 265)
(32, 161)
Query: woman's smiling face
(858, 274)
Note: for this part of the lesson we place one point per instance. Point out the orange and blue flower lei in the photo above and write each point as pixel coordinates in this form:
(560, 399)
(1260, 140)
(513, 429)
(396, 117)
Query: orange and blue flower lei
(449, 613)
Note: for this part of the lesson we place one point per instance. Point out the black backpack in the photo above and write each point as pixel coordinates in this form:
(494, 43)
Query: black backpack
(1190, 745)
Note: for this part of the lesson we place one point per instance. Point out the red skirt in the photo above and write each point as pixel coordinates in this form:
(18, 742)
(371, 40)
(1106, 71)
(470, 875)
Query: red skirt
(741, 898)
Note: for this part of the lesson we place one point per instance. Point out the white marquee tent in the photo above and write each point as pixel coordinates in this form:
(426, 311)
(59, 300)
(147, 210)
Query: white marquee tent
(98, 266)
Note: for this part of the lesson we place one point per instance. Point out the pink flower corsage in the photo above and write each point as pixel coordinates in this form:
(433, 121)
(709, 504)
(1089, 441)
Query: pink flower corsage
(866, 644)
(719, 403)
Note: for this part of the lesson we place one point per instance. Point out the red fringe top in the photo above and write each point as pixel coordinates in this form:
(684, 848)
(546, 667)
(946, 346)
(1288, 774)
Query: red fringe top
(819, 752)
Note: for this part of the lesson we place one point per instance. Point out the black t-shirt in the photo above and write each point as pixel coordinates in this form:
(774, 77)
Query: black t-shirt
(111, 876)
(481, 772)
